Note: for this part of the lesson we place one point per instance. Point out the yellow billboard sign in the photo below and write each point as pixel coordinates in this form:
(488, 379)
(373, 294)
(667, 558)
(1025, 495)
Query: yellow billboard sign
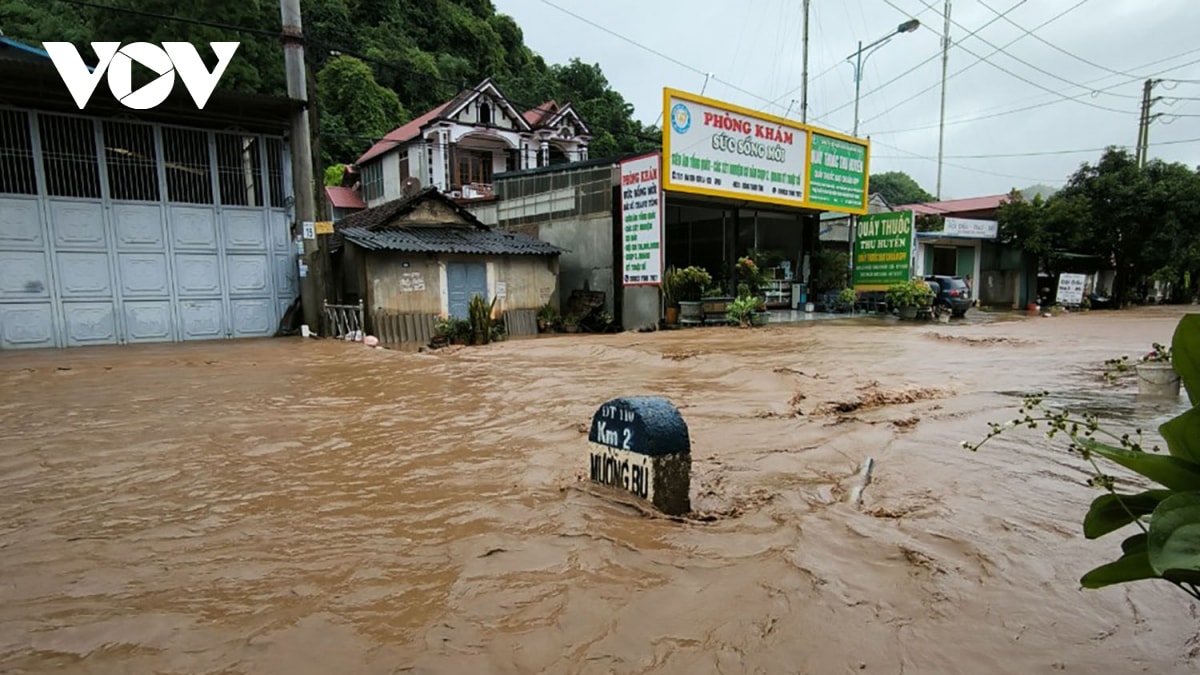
(719, 149)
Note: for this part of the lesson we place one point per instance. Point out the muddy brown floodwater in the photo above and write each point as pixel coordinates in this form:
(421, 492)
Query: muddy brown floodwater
(291, 507)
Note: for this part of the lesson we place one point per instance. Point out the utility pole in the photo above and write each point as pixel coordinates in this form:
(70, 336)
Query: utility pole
(1144, 120)
(804, 71)
(302, 158)
(942, 117)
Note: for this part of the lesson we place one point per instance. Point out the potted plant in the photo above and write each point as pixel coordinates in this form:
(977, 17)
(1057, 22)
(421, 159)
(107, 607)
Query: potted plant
(741, 310)
(761, 316)
(747, 272)
(1156, 373)
(670, 287)
(908, 297)
(570, 324)
(693, 281)
(547, 317)
(480, 313)
(846, 300)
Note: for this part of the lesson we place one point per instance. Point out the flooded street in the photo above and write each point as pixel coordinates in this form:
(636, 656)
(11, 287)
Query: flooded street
(290, 506)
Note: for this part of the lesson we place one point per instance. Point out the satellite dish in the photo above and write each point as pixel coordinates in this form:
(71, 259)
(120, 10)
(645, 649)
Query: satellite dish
(410, 186)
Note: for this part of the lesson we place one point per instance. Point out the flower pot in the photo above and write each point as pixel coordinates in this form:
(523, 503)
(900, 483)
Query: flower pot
(672, 315)
(691, 312)
(908, 313)
(570, 329)
(943, 317)
(541, 323)
(1157, 379)
(760, 318)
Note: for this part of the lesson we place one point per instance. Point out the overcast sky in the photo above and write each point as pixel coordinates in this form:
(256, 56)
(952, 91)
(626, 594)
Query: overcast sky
(753, 49)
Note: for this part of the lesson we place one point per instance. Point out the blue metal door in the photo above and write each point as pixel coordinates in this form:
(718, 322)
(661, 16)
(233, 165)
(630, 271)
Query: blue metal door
(463, 281)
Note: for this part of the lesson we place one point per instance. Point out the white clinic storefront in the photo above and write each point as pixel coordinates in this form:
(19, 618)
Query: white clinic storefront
(956, 251)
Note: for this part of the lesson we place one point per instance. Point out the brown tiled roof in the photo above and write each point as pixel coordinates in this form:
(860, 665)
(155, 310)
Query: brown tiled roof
(344, 197)
(953, 206)
(537, 115)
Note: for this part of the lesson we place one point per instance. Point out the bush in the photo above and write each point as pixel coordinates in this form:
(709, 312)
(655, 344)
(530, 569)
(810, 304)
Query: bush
(740, 310)
(830, 271)
(913, 293)
(456, 331)
(692, 282)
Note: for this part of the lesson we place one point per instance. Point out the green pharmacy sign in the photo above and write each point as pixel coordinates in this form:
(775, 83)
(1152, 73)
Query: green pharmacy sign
(883, 247)
(837, 172)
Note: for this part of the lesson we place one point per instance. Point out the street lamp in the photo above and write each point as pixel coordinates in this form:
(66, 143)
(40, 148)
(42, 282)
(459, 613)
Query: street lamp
(859, 59)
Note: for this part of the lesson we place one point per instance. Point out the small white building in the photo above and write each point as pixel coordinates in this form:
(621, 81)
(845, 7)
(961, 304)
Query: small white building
(458, 146)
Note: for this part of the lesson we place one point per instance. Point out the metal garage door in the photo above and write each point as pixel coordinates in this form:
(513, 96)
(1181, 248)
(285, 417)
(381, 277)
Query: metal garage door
(118, 232)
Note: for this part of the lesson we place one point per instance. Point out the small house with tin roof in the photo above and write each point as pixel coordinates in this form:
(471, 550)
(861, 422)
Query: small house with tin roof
(426, 256)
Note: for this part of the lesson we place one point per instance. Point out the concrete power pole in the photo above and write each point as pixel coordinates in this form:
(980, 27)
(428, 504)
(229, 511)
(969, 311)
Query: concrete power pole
(1144, 120)
(804, 71)
(302, 159)
(942, 117)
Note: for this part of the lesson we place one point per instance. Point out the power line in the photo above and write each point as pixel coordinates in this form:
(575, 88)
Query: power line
(1009, 72)
(1001, 50)
(933, 57)
(655, 52)
(964, 167)
(1042, 153)
(964, 120)
(1030, 33)
(977, 62)
(177, 19)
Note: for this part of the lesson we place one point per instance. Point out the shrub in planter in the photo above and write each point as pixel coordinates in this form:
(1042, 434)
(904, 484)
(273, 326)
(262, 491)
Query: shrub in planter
(453, 331)
(547, 318)
(846, 299)
(1156, 374)
(480, 312)
(909, 296)
(692, 283)
(741, 310)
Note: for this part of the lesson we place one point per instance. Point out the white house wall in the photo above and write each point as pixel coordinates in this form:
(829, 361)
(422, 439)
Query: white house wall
(391, 176)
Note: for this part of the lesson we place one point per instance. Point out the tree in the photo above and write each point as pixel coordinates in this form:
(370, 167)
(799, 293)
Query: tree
(354, 109)
(1138, 219)
(899, 188)
(333, 174)
(422, 51)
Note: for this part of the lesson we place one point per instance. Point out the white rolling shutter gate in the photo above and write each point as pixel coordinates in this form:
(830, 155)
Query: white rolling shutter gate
(115, 232)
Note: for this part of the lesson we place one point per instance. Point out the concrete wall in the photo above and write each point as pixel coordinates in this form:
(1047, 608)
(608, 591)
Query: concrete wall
(642, 306)
(589, 241)
(416, 283)
(392, 286)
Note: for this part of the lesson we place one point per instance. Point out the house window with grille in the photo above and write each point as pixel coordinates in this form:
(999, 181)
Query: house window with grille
(239, 168)
(69, 156)
(372, 181)
(474, 167)
(16, 154)
(129, 154)
(188, 167)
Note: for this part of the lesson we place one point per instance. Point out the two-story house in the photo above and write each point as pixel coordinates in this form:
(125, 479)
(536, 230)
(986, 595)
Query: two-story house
(458, 146)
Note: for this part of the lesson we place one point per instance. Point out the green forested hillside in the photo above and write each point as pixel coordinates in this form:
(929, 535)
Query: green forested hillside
(376, 62)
